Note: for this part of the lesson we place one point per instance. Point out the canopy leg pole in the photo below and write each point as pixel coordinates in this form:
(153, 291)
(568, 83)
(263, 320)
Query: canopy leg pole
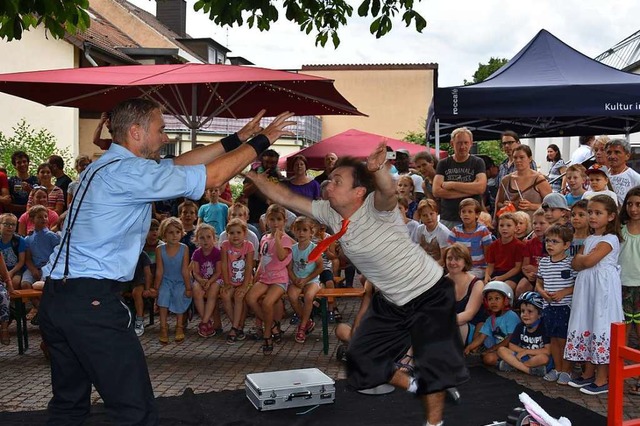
(194, 109)
(438, 139)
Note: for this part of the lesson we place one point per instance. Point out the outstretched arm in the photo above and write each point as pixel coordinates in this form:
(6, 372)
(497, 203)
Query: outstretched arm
(281, 194)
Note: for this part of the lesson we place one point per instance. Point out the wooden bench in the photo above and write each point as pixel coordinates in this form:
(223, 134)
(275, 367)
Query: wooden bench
(19, 297)
(327, 295)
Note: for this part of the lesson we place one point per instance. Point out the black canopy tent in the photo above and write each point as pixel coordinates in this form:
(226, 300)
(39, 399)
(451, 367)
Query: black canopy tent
(547, 89)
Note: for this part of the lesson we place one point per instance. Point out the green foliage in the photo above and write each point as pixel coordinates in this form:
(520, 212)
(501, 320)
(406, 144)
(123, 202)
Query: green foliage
(485, 70)
(57, 16)
(493, 149)
(236, 190)
(419, 138)
(325, 17)
(40, 145)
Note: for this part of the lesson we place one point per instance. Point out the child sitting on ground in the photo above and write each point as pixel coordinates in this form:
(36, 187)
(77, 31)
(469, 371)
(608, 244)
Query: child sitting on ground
(303, 276)
(499, 326)
(504, 257)
(140, 287)
(529, 349)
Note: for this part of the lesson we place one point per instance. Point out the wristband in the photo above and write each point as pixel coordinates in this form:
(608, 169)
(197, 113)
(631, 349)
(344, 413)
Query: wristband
(231, 142)
(260, 143)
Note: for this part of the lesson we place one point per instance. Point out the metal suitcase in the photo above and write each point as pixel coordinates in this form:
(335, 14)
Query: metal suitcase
(290, 388)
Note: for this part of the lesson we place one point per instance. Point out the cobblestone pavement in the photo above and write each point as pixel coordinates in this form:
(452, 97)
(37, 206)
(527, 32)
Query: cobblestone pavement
(207, 365)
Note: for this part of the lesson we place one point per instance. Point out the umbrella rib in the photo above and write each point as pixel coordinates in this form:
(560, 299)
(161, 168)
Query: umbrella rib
(235, 97)
(85, 95)
(160, 99)
(306, 95)
(214, 92)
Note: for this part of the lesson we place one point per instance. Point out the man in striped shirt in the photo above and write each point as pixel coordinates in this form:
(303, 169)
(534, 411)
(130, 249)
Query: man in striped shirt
(415, 303)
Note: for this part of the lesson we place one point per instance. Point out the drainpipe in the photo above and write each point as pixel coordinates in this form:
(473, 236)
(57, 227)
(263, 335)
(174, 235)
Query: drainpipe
(86, 47)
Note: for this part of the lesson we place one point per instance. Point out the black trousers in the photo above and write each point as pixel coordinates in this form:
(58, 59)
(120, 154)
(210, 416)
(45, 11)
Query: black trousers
(428, 323)
(90, 336)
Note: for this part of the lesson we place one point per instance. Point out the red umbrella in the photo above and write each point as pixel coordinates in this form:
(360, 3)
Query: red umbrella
(193, 93)
(354, 143)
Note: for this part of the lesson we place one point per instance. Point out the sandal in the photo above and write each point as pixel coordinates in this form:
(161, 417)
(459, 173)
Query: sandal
(301, 335)
(179, 334)
(232, 338)
(406, 364)
(240, 334)
(267, 347)
(4, 336)
(164, 335)
(277, 336)
(32, 314)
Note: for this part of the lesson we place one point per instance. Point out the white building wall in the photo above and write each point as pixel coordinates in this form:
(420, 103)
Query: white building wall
(38, 51)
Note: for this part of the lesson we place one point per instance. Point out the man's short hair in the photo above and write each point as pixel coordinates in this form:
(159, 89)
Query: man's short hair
(361, 175)
(584, 140)
(510, 133)
(619, 142)
(57, 161)
(136, 111)
(18, 154)
(460, 130)
(270, 153)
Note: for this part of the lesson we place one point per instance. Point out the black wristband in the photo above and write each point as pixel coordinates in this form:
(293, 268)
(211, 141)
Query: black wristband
(260, 144)
(231, 142)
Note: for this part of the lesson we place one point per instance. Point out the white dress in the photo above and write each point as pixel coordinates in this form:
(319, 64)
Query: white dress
(597, 302)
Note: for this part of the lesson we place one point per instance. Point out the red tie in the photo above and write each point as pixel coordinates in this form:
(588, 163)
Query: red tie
(324, 244)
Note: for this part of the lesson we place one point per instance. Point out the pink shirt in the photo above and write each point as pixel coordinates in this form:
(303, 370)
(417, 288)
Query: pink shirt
(207, 263)
(271, 269)
(236, 260)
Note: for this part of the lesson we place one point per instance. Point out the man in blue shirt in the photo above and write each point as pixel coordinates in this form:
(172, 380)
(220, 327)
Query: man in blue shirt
(88, 330)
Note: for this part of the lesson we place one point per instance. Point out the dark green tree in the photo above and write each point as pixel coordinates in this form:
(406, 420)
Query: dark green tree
(485, 70)
(323, 17)
(57, 16)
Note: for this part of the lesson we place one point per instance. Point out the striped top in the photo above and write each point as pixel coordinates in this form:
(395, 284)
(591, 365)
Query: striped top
(475, 241)
(378, 244)
(557, 276)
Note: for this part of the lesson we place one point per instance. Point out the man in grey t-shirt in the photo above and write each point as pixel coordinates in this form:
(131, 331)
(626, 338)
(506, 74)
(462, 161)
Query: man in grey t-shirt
(458, 177)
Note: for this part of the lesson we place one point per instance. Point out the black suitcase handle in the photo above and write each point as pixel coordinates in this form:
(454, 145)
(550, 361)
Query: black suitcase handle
(305, 395)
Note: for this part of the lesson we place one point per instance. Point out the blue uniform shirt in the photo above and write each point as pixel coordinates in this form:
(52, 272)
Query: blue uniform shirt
(114, 217)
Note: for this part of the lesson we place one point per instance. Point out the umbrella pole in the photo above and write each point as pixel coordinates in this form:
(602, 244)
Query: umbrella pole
(194, 106)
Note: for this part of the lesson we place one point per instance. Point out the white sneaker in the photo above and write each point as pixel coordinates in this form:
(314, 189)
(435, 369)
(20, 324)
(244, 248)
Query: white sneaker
(139, 327)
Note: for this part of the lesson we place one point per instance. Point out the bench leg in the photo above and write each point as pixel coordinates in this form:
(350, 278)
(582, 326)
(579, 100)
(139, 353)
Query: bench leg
(21, 324)
(325, 325)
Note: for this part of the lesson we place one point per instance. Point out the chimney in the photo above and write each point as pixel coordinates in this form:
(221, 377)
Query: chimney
(173, 14)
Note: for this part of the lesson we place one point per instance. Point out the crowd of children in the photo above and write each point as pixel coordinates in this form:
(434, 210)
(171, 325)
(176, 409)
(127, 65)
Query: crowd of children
(536, 295)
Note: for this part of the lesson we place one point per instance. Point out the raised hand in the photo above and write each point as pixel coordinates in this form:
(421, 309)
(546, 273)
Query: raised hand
(252, 127)
(276, 130)
(378, 157)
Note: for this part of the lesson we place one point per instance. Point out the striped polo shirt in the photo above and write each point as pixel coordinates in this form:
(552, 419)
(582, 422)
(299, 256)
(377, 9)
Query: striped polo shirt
(475, 241)
(378, 244)
(557, 276)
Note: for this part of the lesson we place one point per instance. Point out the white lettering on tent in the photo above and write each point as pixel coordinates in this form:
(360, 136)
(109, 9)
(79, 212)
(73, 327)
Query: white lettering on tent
(454, 94)
(619, 106)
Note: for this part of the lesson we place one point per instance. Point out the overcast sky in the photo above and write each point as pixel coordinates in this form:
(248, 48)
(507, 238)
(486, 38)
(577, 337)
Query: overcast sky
(458, 36)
